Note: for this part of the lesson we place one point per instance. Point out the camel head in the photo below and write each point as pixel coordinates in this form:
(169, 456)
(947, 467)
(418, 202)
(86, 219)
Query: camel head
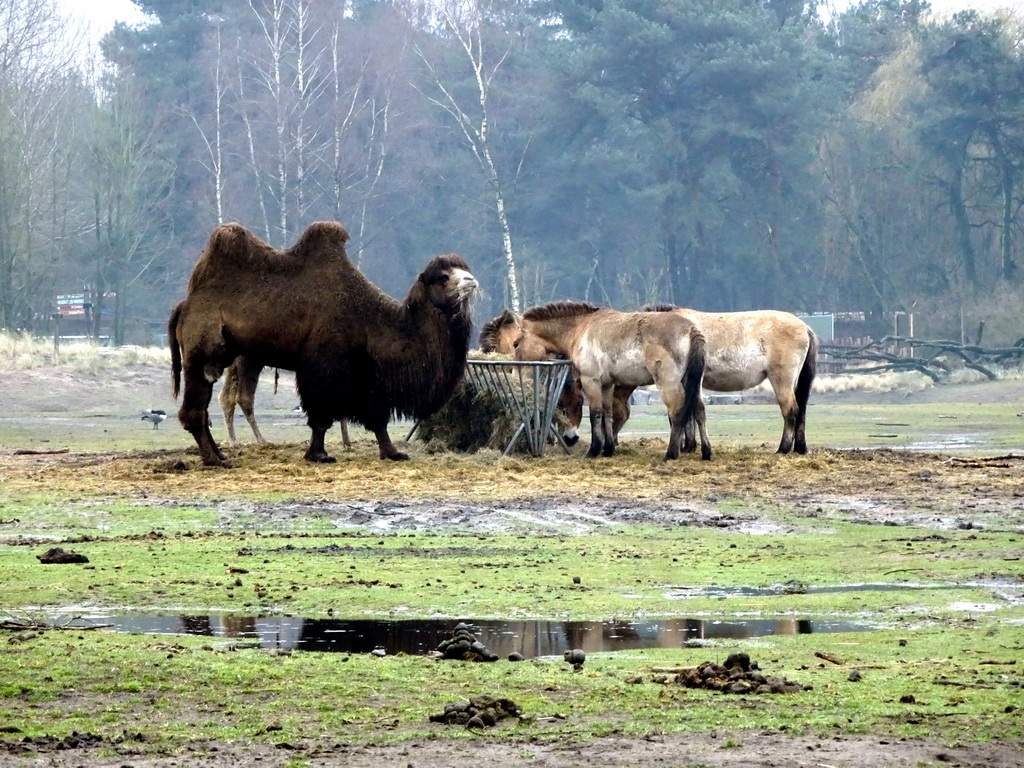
(447, 283)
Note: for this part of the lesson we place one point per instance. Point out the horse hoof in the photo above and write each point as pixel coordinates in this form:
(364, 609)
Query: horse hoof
(801, 449)
(705, 455)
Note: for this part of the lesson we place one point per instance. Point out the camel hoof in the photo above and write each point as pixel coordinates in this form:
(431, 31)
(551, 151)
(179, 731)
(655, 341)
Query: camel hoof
(217, 461)
(396, 456)
(319, 458)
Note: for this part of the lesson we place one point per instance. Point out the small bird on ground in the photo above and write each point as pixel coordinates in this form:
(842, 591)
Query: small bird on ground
(154, 415)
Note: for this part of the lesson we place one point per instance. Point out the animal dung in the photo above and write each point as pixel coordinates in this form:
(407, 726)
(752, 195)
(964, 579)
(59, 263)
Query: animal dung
(464, 646)
(480, 711)
(58, 556)
(737, 675)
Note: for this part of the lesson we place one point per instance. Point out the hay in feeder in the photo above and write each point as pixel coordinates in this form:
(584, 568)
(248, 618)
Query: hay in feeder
(477, 417)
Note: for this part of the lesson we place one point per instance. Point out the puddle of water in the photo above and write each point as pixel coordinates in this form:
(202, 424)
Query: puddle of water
(418, 637)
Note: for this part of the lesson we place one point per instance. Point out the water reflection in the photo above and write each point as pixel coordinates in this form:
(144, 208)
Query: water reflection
(416, 637)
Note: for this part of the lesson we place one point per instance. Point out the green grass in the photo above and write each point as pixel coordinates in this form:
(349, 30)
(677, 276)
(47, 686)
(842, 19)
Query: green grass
(94, 682)
(165, 559)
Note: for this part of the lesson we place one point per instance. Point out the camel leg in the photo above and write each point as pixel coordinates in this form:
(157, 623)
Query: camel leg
(227, 398)
(194, 414)
(248, 373)
(316, 452)
(229, 419)
(247, 403)
(386, 447)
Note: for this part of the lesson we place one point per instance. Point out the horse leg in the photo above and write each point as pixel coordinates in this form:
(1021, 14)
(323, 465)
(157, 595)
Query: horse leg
(343, 423)
(790, 412)
(671, 388)
(596, 432)
(620, 408)
(194, 413)
(607, 425)
(800, 442)
(689, 436)
(700, 419)
(595, 394)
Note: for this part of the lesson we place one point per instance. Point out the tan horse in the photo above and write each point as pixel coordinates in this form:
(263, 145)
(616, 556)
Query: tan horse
(745, 348)
(608, 347)
(499, 335)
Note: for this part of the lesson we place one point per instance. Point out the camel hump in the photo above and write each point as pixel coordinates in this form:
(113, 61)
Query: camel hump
(322, 239)
(232, 249)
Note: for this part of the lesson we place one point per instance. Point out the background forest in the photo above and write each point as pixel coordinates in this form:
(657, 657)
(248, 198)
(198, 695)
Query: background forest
(720, 154)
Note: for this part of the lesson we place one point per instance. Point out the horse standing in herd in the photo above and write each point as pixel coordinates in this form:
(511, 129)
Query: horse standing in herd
(743, 350)
(608, 347)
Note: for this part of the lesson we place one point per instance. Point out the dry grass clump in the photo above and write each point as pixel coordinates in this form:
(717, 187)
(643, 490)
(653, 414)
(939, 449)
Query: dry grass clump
(22, 351)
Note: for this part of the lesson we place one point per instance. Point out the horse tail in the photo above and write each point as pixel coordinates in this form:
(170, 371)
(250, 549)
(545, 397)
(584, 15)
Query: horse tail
(807, 372)
(172, 339)
(693, 375)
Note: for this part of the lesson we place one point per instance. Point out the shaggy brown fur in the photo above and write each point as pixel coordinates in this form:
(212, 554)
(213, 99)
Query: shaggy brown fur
(239, 389)
(357, 353)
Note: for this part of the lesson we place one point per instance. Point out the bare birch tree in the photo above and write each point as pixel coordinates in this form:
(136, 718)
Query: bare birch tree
(464, 20)
(38, 56)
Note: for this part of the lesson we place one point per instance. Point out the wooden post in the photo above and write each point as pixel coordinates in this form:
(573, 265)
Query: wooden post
(56, 336)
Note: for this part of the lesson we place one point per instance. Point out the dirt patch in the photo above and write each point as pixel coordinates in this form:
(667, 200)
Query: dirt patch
(724, 749)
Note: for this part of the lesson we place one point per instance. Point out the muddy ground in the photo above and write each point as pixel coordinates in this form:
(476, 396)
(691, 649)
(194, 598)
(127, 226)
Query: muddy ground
(557, 493)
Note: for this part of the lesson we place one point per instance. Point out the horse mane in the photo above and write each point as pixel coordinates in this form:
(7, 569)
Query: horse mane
(560, 309)
(491, 330)
(232, 248)
(658, 308)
